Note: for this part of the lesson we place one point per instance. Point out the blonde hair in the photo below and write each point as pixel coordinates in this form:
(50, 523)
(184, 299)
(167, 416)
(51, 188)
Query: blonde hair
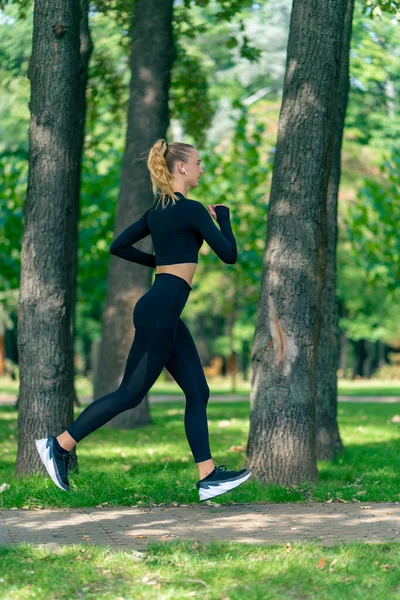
(160, 162)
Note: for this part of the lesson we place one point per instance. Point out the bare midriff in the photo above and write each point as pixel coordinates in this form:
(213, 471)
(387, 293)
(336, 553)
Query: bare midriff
(184, 270)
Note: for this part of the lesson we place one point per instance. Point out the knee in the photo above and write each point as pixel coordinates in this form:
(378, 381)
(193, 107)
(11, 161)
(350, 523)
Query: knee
(206, 394)
(125, 399)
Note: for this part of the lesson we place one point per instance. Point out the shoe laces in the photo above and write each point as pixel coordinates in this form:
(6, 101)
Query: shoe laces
(221, 468)
(67, 461)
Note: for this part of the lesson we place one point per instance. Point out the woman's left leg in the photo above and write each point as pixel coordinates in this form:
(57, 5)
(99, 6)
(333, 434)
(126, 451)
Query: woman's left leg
(185, 366)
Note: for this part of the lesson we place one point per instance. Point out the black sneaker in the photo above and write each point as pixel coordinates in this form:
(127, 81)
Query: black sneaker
(221, 481)
(57, 464)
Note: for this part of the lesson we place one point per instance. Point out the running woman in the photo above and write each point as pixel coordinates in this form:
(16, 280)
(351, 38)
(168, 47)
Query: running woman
(178, 226)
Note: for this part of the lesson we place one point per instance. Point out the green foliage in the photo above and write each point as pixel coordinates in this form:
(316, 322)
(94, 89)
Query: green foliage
(211, 42)
(368, 261)
(235, 174)
(190, 102)
(375, 8)
(373, 115)
(372, 226)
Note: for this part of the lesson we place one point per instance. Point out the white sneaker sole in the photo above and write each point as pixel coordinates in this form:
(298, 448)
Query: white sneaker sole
(44, 453)
(222, 488)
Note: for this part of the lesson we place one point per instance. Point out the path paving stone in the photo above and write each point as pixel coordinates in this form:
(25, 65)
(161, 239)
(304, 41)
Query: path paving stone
(132, 528)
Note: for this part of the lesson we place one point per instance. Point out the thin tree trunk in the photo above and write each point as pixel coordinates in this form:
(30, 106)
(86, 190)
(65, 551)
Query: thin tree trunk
(201, 338)
(328, 437)
(86, 47)
(44, 303)
(344, 347)
(370, 355)
(2, 351)
(381, 354)
(153, 54)
(359, 358)
(281, 444)
(246, 354)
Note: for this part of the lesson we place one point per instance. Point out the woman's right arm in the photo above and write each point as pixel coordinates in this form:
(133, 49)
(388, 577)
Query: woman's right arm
(222, 242)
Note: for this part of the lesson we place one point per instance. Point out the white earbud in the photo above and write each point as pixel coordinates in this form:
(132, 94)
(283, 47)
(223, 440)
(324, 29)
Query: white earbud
(184, 170)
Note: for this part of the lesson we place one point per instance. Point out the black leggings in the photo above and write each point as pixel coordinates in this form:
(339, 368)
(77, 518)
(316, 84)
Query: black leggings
(161, 340)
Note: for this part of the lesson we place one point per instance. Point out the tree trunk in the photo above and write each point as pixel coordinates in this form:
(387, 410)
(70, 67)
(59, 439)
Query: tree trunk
(344, 347)
(381, 354)
(201, 338)
(370, 356)
(86, 47)
(232, 358)
(44, 303)
(153, 54)
(328, 438)
(281, 445)
(2, 351)
(359, 358)
(246, 353)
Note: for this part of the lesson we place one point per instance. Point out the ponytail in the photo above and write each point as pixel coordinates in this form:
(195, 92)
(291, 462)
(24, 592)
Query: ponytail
(160, 162)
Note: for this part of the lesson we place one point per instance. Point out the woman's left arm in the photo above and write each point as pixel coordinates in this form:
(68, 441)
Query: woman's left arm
(122, 245)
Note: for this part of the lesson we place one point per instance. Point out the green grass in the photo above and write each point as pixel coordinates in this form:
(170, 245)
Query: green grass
(218, 570)
(153, 465)
(222, 386)
(367, 387)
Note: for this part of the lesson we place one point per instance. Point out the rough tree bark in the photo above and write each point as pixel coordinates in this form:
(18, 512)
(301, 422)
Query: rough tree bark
(328, 440)
(153, 54)
(281, 445)
(86, 48)
(44, 302)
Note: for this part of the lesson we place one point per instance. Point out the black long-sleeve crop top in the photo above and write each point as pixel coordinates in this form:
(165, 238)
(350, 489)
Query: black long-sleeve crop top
(177, 233)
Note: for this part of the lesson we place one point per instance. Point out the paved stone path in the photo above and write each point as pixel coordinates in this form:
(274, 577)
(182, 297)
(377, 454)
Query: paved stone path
(132, 528)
